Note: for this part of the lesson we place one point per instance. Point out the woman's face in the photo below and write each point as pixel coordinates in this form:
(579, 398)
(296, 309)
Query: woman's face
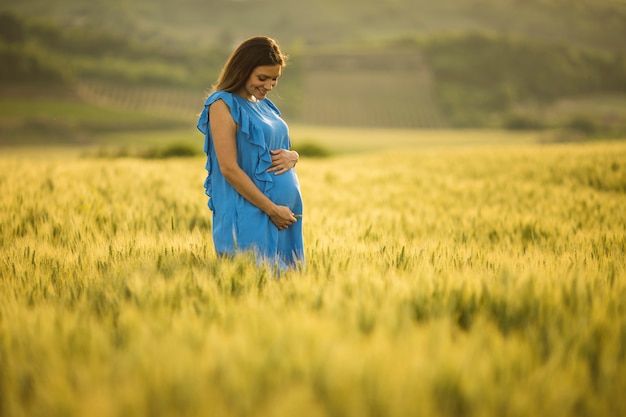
(261, 82)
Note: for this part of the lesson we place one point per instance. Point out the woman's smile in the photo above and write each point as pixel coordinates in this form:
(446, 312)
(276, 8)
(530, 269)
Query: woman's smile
(262, 80)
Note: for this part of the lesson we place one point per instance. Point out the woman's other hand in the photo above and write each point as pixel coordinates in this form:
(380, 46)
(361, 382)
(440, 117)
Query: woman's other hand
(282, 217)
(283, 160)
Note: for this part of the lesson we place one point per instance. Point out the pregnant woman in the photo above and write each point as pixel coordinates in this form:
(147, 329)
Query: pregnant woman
(252, 186)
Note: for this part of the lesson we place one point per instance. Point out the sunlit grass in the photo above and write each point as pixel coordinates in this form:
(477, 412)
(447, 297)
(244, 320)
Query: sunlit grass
(441, 280)
(350, 140)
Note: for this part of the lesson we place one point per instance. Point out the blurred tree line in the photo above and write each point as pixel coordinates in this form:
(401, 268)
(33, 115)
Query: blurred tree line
(42, 52)
(480, 79)
(478, 75)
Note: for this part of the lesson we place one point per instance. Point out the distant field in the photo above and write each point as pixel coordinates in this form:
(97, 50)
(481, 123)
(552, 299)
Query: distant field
(390, 88)
(50, 121)
(351, 140)
(448, 274)
(139, 117)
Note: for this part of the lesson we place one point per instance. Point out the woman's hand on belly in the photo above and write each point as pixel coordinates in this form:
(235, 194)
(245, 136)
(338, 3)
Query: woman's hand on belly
(282, 217)
(283, 160)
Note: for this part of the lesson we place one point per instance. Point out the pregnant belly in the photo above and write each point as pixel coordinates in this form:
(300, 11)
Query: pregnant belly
(286, 190)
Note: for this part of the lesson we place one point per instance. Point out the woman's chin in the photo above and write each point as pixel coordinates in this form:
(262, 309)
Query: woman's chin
(260, 96)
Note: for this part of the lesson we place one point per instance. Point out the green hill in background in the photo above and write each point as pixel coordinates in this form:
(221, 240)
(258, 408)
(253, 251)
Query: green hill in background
(398, 63)
(592, 23)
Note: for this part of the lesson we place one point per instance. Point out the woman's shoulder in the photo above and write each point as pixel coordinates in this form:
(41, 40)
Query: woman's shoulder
(228, 99)
(220, 95)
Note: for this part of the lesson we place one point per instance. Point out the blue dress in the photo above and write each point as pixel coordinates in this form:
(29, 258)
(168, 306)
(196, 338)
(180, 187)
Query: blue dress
(237, 224)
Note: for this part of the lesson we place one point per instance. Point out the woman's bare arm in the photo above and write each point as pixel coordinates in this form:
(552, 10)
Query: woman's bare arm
(223, 131)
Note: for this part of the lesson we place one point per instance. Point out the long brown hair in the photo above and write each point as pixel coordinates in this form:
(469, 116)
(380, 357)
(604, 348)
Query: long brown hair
(251, 53)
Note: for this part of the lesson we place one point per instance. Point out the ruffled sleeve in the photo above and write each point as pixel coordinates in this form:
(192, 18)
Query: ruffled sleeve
(247, 131)
(203, 126)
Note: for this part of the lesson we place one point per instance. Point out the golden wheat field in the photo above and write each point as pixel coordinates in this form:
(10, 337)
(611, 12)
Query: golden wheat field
(483, 280)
